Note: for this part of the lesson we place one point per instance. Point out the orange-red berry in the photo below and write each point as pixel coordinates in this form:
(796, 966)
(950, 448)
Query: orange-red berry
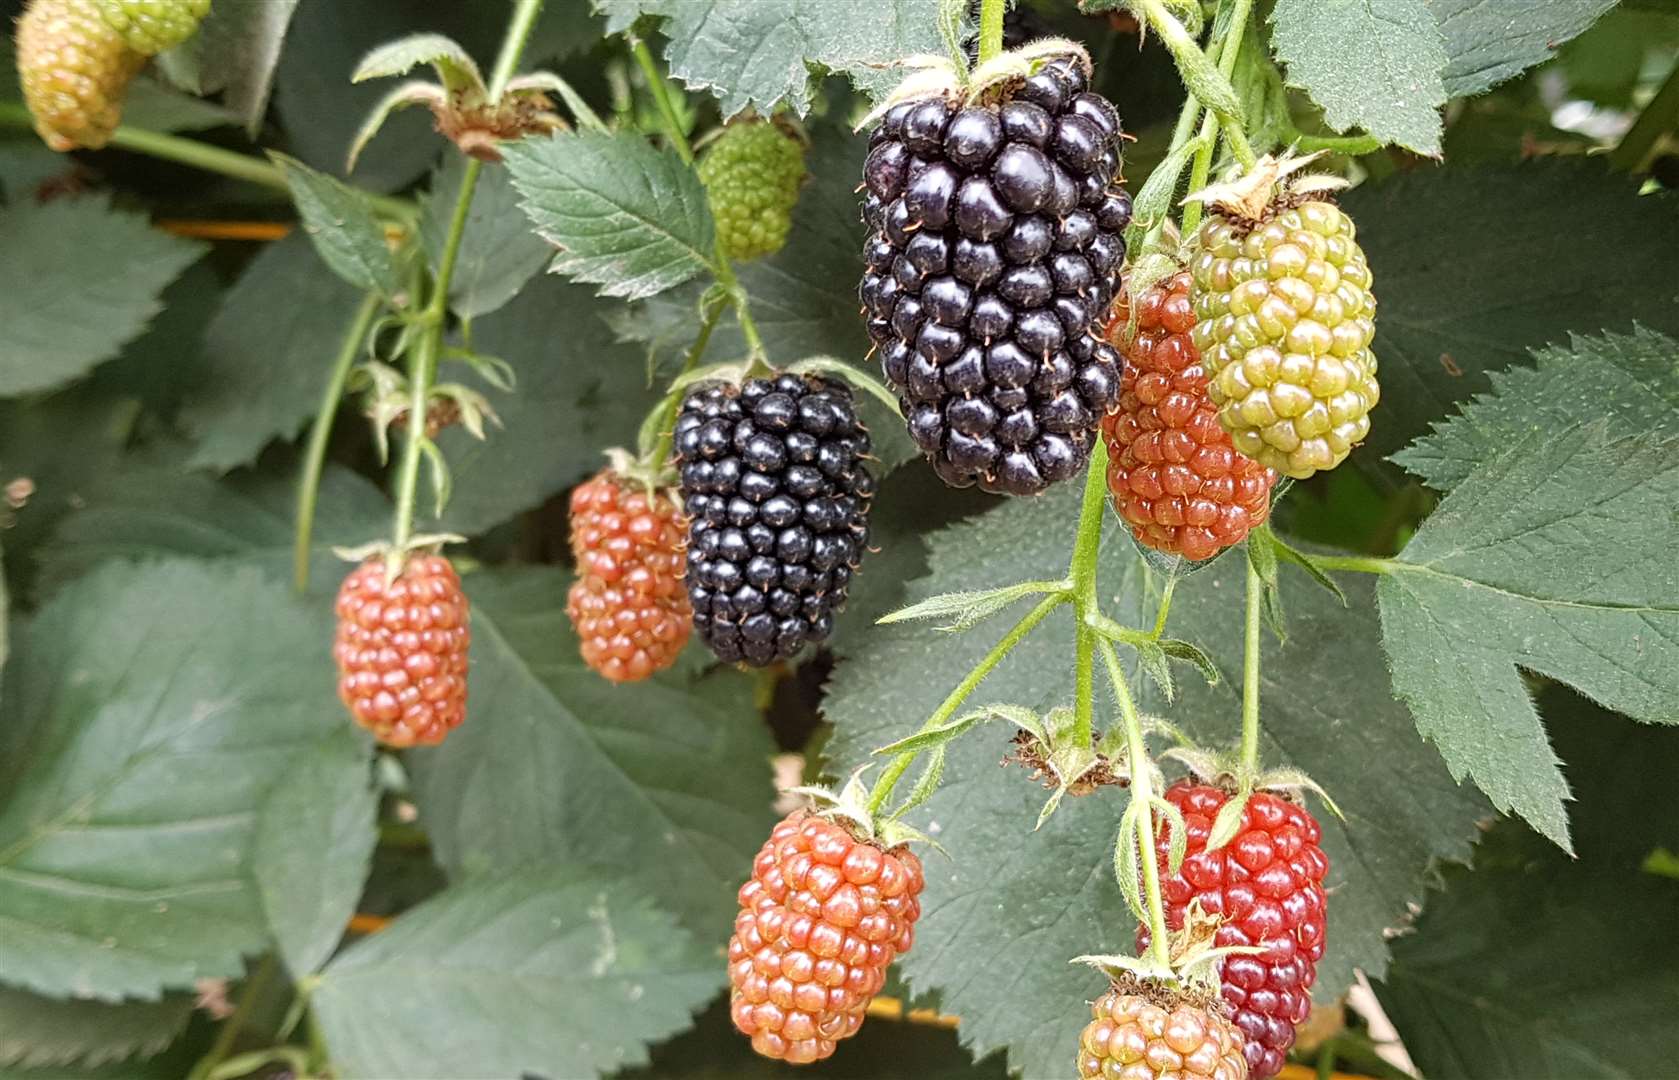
(628, 604)
(1175, 476)
(1131, 1037)
(821, 918)
(401, 650)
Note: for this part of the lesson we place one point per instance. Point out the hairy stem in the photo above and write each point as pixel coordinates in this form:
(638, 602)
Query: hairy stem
(667, 426)
(1083, 573)
(1165, 605)
(1364, 564)
(513, 44)
(228, 1035)
(882, 790)
(990, 28)
(314, 457)
(1230, 47)
(1142, 790)
(1349, 145)
(1250, 677)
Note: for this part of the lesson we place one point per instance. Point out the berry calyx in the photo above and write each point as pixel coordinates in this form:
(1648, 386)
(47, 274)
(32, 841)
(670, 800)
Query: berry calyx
(628, 604)
(752, 174)
(151, 26)
(1176, 478)
(777, 495)
(821, 918)
(401, 649)
(1266, 887)
(1142, 1032)
(75, 71)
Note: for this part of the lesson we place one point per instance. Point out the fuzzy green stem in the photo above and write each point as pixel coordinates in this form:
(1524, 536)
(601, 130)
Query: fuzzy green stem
(213, 159)
(1230, 47)
(1165, 606)
(1364, 564)
(1657, 117)
(228, 1035)
(1250, 677)
(667, 426)
(1348, 145)
(1142, 790)
(513, 45)
(991, 28)
(882, 790)
(1083, 573)
(314, 457)
(743, 305)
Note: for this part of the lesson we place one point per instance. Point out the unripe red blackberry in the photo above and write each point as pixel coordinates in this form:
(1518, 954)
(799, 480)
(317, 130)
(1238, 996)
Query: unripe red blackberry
(1136, 1035)
(1285, 318)
(821, 918)
(1176, 479)
(402, 650)
(995, 244)
(1266, 886)
(75, 71)
(628, 603)
(777, 498)
(151, 26)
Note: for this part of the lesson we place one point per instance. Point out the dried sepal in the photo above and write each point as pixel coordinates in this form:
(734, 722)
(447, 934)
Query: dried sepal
(1251, 194)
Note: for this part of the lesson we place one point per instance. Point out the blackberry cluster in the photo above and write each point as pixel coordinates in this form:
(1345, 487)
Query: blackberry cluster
(994, 248)
(1132, 1036)
(1267, 886)
(777, 498)
(821, 918)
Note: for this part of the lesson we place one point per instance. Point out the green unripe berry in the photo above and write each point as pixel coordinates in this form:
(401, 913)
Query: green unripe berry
(752, 174)
(151, 26)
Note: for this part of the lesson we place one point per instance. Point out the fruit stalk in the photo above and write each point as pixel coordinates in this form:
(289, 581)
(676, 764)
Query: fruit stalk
(991, 28)
(667, 425)
(314, 458)
(1142, 790)
(1083, 573)
(1229, 49)
(1250, 677)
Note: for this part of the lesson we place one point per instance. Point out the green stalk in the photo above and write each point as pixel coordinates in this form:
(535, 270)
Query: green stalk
(1658, 117)
(667, 426)
(1142, 790)
(1083, 572)
(1250, 678)
(1228, 51)
(882, 790)
(1348, 145)
(991, 28)
(721, 267)
(513, 45)
(314, 457)
(1165, 605)
(1364, 564)
(228, 1035)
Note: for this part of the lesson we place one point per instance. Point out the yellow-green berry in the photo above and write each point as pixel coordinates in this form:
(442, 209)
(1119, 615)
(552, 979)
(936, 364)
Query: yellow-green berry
(752, 175)
(74, 70)
(151, 26)
(1284, 320)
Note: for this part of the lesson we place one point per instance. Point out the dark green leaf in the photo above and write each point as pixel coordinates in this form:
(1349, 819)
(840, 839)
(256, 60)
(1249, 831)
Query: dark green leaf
(77, 279)
(141, 743)
(314, 841)
(39, 1031)
(1540, 559)
(757, 52)
(1631, 382)
(1010, 907)
(498, 253)
(626, 216)
(340, 222)
(676, 768)
(234, 53)
(1370, 66)
(1488, 41)
(1470, 278)
(267, 354)
(551, 971)
(152, 105)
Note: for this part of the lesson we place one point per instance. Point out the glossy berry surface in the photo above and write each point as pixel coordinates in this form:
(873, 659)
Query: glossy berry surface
(821, 918)
(1267, 887)
(1284, 321)
(1176, 479)
(75, 71)
(1131, 1037)
(752, 174)
(994, 248)
(777, 498)
(151, 26)
(628, 604)
(402, 650)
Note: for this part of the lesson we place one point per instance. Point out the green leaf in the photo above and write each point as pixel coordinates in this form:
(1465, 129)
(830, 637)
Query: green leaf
(456, 68)
(77, 280)
(663, 764)
(152, 105)
(1370, 66)
(313, 845)
(1629, 381)
(1470, 279)
(967, 608)
(1488, 41)
(1541, 965)
(579, 391)
(550, 971)
(498, 252)
(38, 1031)
(626, 216)
(1540, 559)
(340, 222)
(757, 52)
(266, 354)
(234, 53)
(1022, 903)
(141, 744)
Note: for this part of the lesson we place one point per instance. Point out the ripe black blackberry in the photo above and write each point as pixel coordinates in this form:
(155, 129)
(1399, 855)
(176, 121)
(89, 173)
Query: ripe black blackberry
(777, 498)
(994, 249)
